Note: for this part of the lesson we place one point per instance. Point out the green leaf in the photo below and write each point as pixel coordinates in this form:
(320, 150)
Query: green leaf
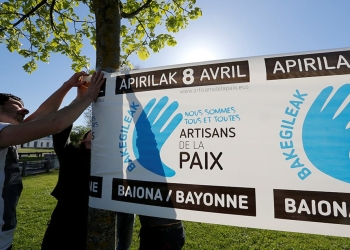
(171, 42)
(143, 53)
(36, 38)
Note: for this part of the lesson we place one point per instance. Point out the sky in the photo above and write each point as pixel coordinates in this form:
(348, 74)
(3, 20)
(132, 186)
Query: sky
(228, 29)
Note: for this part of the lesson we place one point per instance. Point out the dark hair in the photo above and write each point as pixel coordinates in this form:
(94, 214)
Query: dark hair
(86, 134)
(6, 97)
(82, 144)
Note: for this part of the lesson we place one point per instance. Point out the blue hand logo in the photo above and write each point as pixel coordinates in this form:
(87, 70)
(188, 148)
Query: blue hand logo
(325, 137)
(149, 135)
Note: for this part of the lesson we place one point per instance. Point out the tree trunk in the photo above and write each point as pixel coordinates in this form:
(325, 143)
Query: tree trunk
(101, 230)
(102, 223)
(107, 13)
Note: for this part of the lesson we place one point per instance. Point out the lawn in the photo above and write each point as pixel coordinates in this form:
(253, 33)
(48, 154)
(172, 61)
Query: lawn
(32, 150)
(36, 204)
(25, 150)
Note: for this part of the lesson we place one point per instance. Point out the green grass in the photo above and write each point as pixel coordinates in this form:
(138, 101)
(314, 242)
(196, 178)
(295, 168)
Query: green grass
(33, 157)
(36, 204)
(26, 150)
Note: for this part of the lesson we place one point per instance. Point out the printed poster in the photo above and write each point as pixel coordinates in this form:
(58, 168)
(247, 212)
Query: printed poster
(259, 142)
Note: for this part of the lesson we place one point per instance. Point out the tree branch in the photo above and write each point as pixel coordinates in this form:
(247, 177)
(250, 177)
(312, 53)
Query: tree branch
(27, 14)
(180, 7)
(69, 18)
(134, 13)
(51, 14)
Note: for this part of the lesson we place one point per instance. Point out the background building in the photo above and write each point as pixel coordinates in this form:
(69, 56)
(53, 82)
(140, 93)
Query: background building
(45, 142)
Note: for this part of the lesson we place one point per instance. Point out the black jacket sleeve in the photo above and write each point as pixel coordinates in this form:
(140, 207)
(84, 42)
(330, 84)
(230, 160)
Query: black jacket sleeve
(61, 140)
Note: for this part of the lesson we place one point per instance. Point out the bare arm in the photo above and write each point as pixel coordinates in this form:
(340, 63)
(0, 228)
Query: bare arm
(53, 103)
(53, 123)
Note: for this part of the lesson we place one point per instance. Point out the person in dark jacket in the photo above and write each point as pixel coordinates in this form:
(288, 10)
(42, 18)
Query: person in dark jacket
(68, 224)
(67, 228)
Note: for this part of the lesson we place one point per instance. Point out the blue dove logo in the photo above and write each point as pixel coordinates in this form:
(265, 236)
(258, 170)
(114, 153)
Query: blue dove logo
(326, 139)
(152, 129)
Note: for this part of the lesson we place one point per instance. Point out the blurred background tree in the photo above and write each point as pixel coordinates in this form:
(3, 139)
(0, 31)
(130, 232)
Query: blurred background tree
(77, 134)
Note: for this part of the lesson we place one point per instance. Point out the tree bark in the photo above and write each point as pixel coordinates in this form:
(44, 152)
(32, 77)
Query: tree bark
(101, 230)
(102, 223)
(107, 13)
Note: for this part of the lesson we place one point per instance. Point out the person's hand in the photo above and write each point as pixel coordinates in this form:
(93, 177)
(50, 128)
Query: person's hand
(77, 79)
(81, 92)
(96, 83)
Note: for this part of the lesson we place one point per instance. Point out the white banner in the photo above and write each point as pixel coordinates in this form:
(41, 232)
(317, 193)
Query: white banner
(256, 142)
